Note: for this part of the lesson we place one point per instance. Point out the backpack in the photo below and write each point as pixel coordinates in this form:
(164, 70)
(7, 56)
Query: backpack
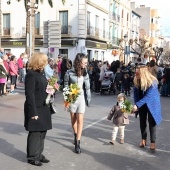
(159, 74)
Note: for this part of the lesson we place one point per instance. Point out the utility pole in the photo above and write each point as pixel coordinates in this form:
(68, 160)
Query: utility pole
(31, 31)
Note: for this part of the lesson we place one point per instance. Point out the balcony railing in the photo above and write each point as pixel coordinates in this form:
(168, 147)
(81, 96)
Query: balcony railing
(115, 40)
(97, 33)
(6, 31)
(66, 29)
(114, 16)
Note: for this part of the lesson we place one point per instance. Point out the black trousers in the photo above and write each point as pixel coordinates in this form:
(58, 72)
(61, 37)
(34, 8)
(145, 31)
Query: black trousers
(35, 145)
(143, 114)
(2, 88)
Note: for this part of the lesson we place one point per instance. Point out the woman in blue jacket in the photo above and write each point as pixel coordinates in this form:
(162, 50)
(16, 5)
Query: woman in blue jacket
(147, 103)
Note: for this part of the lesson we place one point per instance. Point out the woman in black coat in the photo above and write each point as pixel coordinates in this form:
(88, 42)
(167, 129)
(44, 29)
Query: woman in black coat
(37, 113)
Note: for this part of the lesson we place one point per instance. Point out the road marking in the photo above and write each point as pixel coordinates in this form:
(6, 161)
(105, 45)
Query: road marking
(94, 123)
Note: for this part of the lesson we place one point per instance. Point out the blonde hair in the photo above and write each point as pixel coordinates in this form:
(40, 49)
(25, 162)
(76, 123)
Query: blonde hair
(146, 78)
(38, 61)
(121, 95)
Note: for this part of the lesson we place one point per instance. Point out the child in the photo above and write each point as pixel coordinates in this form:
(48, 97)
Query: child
(126, 84)
(120, 119)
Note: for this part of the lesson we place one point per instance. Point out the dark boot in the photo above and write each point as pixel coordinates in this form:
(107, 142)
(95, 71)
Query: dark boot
(77, 147)
(75, 138)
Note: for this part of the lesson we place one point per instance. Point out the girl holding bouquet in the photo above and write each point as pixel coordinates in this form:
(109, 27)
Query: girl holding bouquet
(78, 75)
(120, 119)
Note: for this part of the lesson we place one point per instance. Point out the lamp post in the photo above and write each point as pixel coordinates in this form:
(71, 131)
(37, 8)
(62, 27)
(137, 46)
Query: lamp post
(125, 40)
(32, 9)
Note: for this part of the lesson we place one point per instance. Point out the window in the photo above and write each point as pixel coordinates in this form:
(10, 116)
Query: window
(6, 24)
(64, 21)
(36, 50)
(104, 33)
(97, 26)
(96, 54)
(88, 23)
(6, 51)
(151, 20)
(63, 52)
(37, 24)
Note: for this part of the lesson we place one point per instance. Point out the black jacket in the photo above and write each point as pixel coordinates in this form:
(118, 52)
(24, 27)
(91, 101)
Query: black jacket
(35, 92)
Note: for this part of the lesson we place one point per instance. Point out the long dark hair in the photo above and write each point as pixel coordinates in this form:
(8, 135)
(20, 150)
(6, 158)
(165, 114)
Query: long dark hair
(77, 64)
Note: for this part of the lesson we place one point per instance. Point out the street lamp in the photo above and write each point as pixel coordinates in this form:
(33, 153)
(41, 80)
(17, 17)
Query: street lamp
(125, 40)
(32, 9)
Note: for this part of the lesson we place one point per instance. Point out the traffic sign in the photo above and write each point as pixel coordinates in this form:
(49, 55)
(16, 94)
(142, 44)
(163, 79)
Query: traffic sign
(52, 34)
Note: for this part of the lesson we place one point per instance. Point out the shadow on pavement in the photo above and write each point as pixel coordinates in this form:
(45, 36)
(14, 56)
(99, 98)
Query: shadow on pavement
(9, 150)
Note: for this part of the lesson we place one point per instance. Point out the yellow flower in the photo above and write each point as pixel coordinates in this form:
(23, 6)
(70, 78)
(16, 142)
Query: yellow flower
(123, 110)
(74, 91)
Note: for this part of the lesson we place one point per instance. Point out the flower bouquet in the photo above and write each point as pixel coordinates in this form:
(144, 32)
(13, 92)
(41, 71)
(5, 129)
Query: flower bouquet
(52, 87)
(70, 94)
(126, 106)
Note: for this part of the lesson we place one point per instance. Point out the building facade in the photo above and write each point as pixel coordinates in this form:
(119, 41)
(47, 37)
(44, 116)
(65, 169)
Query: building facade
(84, 27)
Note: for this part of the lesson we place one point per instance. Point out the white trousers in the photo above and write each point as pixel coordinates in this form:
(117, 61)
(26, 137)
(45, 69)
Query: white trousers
(121, 132)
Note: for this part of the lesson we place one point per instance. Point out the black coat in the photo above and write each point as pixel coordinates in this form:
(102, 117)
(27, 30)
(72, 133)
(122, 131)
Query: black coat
(35, 92)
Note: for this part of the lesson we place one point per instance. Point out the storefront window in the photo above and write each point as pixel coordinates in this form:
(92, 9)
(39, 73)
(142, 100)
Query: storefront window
(63, 52)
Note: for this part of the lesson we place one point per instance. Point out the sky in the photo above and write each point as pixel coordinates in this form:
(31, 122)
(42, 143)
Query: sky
(164, 13)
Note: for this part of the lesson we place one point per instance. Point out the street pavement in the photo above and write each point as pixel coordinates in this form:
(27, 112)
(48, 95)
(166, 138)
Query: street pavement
(97, 153)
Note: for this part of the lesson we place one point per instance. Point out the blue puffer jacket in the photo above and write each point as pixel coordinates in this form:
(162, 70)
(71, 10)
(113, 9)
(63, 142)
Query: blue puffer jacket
(152, 100)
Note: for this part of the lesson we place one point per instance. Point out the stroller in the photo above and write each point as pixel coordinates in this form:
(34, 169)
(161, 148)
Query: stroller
(107, 83)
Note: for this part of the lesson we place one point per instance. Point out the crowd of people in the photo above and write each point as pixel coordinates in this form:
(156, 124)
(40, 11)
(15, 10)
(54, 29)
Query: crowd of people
(145, 80)
(124, 75)
(12, 69)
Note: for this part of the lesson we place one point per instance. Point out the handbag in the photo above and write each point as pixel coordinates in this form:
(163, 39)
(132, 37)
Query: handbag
(53, 107)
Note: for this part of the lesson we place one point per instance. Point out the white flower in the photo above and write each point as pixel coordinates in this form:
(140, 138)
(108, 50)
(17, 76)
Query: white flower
(64, 93)
(67, 92)
(65, 97)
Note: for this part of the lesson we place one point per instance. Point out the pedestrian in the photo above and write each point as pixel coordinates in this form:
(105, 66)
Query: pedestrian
(103, 69)
(37, 113)
(147, 104)
(126, 84)
(13, 71)
(153, 68)
(120, 119)
(6, 64)
(20, 68)
(3, 76)
(78, 75)
(49, 72)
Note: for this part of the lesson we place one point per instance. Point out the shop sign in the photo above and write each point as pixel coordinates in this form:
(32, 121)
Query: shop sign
(17, 43)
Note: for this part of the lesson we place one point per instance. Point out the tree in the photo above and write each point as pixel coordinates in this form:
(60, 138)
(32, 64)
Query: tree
(166, 57)
(31, 15)
(141, 46)
(158, 52)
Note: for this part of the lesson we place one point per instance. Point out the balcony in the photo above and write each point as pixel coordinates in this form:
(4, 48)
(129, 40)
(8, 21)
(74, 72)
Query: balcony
(66, 30)
(114, 17)
(96, 33)
(154, 27)
(153, 40)
(7, 32)
(115, 40)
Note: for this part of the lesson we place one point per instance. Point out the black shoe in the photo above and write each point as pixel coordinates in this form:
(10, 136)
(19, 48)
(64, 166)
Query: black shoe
(75, 138)
(35, 162)
(77, 147)
(44, 160)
